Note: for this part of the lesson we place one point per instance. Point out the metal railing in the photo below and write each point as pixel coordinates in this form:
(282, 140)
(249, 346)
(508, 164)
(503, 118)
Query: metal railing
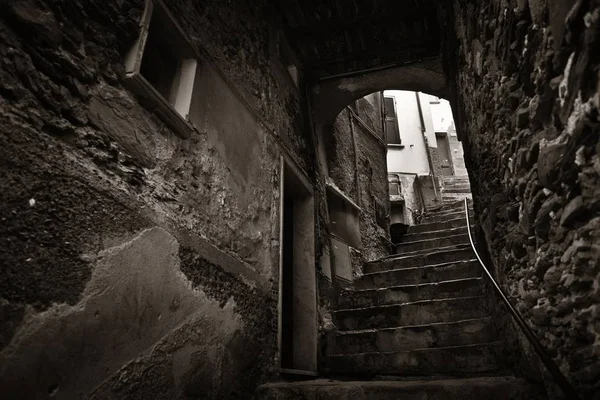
(556, 373)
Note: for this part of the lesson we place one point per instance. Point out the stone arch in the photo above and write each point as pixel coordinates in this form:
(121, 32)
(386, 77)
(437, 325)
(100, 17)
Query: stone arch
(329, 97)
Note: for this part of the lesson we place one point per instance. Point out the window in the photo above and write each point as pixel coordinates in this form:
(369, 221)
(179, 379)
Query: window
(161, 66)
(391, 121)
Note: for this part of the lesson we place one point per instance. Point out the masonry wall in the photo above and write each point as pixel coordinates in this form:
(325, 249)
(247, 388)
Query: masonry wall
(525, 86)
(371, 191)
(135, 263)
(457, 154)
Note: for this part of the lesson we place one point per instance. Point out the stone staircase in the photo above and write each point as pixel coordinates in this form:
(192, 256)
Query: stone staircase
(454, 188)
(415, 326)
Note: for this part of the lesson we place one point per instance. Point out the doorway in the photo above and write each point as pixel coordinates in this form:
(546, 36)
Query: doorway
(444, 153)
(297, 277)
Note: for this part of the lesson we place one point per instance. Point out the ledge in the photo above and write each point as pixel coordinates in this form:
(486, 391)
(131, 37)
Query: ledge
(396, 199)
(331, 186)
(159, 105)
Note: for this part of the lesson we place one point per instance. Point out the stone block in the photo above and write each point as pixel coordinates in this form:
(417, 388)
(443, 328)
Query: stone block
(572, 211)
(537, 8)
(550, 155)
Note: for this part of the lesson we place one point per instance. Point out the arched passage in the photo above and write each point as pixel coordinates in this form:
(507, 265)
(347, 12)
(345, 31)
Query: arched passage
(330, 96)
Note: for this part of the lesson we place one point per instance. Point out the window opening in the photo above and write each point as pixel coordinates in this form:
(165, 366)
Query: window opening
(391, 121)
(161, 66)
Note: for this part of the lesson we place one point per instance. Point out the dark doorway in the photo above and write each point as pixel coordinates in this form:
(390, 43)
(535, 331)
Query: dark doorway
(444, 153)
(287, 284)
(297, 280)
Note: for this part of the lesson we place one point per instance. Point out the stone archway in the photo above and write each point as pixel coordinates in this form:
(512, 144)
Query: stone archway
(330, 96)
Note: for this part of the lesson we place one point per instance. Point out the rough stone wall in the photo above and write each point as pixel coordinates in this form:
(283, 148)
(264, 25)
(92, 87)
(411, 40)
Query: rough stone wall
(525, 87)
(435, 160)
(135, 263)
(372, 171)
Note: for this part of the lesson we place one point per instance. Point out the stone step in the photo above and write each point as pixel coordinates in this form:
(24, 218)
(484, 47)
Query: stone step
(432, 244)
(420, 275)
(417, 313)
(452, 184)
(421, 259)
(445, 216)
(488, 388)
(455, 184)
(453, 177)
(437, 226)
(456, 189)
(408, 338)
(455, 205)
(410, 293)
(424, 252)
(453, 197)
(456, 360)
(462, 269)
(435, 234)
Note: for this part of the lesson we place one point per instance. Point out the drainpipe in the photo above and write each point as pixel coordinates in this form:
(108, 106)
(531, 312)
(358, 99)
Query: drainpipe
(353, 133)
(383, 125)
(423, 131)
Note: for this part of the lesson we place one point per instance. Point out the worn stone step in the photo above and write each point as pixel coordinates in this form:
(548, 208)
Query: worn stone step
(456, 360)
(437, 226)
(434, 234)
(479, 388)
(420, 275)
(425, 252)
(421, 259)
(410, 293)
(432, 244)
(452, 197)
(452, 270)
(407, 338)
(444, 216)
(445, 178)
(453, 206)
(456, 189)
(417, 313)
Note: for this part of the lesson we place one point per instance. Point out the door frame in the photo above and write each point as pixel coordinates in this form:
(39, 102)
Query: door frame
(288, 166)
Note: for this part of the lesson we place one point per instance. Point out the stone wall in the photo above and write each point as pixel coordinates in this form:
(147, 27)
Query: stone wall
(457, 154)
(136, 263)
(371, 194)
(524, 77)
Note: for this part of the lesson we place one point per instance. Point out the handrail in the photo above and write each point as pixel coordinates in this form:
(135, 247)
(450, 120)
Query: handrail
(556, 373)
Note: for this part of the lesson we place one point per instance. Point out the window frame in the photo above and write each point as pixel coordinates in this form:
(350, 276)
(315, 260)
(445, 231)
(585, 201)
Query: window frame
(173, 113)
(394, 118)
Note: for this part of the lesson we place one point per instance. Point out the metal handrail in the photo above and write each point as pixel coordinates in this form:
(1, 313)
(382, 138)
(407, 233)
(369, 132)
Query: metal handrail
(556, 373)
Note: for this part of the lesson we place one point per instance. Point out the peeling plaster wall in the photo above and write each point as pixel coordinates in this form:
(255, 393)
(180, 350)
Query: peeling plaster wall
(135, 263)
(525, 77)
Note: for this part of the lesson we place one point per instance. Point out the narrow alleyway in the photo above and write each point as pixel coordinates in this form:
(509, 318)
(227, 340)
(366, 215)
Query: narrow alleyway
(208, 199)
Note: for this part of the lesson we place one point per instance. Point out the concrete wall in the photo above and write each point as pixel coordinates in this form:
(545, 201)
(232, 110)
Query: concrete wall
(136, 263)
(412, 157)
(525, 79)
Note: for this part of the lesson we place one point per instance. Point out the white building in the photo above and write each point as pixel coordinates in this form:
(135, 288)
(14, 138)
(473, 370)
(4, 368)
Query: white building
(424, 156)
